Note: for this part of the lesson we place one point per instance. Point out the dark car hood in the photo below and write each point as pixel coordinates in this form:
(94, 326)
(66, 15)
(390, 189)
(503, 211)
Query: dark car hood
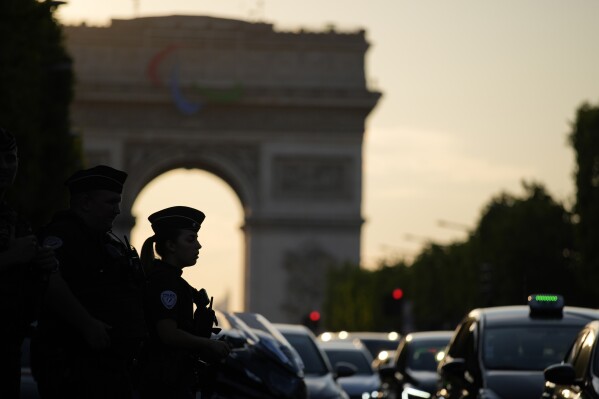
(322, 386)
(516, 384)
(357, 384)
(424, 380)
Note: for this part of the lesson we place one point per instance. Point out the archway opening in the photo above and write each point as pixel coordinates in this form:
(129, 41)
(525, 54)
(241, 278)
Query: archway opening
(220, 266)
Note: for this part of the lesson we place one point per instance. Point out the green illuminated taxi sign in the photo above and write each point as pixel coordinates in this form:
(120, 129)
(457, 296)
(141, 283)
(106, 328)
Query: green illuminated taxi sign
(546, 305)
(546, 298)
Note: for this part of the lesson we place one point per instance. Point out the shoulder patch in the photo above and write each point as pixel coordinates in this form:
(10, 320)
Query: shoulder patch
(52, 242)
(168, 299)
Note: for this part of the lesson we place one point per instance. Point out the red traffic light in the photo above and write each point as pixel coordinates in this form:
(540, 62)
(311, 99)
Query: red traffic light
(314, 316)
(397, 294)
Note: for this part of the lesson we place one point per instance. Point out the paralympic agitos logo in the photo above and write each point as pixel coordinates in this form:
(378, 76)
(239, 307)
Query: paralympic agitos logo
(172, 82)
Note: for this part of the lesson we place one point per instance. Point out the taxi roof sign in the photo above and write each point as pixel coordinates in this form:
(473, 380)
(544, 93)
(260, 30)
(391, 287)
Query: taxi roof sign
(546, 305)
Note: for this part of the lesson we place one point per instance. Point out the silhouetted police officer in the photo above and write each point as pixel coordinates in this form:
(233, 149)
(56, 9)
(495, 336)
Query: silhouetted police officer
(89, 354)
(173, 347)
(24, 271)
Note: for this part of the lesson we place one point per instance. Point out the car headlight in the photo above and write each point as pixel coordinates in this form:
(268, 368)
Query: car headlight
(413, 393)
(373, 395)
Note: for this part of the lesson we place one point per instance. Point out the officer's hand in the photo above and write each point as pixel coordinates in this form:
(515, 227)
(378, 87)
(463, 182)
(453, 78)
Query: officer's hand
(96, 334)
(24, 248)
(219, 349)
(45, 259)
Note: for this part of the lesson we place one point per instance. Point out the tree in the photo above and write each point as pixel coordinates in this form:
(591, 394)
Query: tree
(584, 139)
(526, 242)
(355, 297)
(36, 85)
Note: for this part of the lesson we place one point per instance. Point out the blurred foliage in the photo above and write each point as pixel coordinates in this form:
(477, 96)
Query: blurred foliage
(354, 296)
(522, 245)
(36, 81)
(584, 139)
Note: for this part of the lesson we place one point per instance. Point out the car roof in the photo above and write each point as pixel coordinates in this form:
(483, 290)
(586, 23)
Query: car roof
(293, 328)
(374, 335)
(426, 335)
(347, 344)
(520, 314)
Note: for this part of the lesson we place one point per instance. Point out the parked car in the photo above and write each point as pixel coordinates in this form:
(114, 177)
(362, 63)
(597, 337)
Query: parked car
(366, 382)
(379, 344)
(321, 379)
(501, 352)
(578, 375)
(413, 372)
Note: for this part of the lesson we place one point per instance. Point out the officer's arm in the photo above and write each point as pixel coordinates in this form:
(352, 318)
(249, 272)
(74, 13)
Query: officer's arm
(61, 300)
(171, 335)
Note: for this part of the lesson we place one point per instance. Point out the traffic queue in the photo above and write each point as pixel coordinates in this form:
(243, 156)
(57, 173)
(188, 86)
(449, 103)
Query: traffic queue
(541, 350)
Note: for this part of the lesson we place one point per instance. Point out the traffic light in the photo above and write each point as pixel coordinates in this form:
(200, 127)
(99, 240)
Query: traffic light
(312, 320)
(397, 294)
(393, 302)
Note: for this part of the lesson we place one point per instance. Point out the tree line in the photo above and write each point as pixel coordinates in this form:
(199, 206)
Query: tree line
(36, 82)
(522, 244)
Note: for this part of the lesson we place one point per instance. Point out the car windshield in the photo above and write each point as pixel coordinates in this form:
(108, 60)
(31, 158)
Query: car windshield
(354, 357)
(375, 346)
(422, 355)
(308, 351)
(526, 347)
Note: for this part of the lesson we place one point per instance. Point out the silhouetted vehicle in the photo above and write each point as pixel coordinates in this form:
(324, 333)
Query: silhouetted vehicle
(321, 378)
(578, 375)
(366, 382)
(501, 352)
(260, 366)
(413, 372)
(379, 344)
(28, 384)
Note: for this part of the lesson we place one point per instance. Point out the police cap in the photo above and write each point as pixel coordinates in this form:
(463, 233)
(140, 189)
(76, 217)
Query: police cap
(7, 140)
(99, 177)
(176, 217)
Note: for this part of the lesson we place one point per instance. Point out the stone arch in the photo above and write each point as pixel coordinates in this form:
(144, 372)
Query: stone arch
(279, 116)
(155, 160)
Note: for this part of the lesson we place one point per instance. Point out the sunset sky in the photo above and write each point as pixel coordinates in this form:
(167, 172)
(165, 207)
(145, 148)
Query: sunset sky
(477, 96)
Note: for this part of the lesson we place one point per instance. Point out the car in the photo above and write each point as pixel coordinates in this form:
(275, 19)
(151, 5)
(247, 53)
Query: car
(501, 352)
(413, 372)
(366, 382)
(28, 383)
(578, 375)
(321, 379)
(384, 360)
(379, 344)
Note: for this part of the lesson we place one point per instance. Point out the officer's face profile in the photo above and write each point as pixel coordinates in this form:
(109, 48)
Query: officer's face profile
(100, 208)
(185, 249)
(9, 162)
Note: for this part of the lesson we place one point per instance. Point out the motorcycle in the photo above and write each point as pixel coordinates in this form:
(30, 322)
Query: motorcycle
(260, 365)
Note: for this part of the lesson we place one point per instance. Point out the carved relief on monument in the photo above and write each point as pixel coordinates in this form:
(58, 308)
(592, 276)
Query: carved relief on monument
(312, 177)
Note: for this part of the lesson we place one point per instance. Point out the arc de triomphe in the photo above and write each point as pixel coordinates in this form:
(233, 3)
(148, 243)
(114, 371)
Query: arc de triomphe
(279, 116)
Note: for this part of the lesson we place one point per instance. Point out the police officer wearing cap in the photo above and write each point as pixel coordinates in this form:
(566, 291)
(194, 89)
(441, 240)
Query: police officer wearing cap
(24, 272)
(169, 368)
(88, 336)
